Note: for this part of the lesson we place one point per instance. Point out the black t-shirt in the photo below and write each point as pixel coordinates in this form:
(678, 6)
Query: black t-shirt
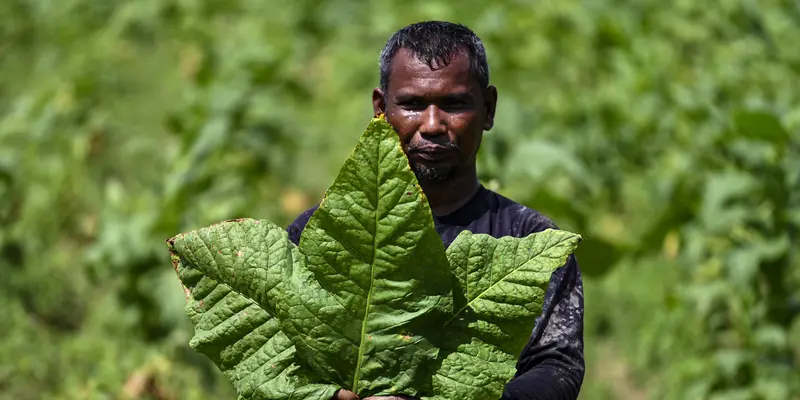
(551, 366)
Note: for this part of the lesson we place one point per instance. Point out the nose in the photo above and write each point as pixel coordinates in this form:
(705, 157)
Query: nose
(433, 122)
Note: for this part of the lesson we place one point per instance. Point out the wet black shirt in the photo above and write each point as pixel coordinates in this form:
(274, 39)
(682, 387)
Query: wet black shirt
(551, 366)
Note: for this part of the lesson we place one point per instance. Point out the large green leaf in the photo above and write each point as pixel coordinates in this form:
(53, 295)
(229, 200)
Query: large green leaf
(372, 244)
(231, 329)
(364, 296)
(370, 297)
(501, 284)
(473, 370)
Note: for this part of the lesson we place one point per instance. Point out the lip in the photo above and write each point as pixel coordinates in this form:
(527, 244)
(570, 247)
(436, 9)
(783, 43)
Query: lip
(433, 153)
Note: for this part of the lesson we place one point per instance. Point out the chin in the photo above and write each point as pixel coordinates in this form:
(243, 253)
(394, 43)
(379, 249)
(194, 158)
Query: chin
(432, 174)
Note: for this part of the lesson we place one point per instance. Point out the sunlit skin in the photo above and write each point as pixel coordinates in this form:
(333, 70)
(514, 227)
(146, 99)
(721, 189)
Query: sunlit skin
(440, 115)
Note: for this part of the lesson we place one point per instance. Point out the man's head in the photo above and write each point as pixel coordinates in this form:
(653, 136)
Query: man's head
(434, 90)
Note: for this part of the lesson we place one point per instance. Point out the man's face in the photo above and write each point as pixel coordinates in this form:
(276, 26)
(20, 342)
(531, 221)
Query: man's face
(440, 114)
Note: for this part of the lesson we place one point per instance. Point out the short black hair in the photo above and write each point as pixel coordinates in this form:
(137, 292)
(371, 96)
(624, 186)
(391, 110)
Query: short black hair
(435, 41)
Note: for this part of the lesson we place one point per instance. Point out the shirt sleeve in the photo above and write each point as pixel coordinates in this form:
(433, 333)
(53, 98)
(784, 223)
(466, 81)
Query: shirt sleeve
(295, 229)
(551, 366)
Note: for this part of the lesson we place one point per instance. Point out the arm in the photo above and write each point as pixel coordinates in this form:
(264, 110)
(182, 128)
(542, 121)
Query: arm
(551, 366)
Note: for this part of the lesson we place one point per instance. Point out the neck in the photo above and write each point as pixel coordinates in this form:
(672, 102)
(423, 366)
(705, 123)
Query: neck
(449, 196)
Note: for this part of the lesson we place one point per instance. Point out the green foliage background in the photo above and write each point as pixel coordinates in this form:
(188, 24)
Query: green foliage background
(667, 133)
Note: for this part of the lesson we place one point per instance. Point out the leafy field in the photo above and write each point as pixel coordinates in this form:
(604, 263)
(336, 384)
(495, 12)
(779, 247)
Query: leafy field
(666, 133)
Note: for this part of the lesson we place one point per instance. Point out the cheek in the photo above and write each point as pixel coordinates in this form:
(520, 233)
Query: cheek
(465, 132)
(404, 126)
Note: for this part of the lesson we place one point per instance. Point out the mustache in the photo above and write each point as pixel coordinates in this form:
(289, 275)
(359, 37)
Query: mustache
(414, 147)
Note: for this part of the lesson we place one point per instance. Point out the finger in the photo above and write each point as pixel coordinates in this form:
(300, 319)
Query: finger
(343, 394)
(396, 397)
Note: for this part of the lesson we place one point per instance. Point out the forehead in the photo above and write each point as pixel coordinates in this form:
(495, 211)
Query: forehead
(411, 75)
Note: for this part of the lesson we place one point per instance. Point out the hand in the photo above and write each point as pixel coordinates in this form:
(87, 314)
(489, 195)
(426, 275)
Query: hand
(343, 394)
(394, 397)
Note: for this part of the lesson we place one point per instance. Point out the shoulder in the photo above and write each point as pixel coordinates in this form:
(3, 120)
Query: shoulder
(526, 219)
(295, 229)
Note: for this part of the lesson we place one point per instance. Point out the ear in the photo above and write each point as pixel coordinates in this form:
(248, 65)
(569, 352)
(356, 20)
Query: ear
(378, 102)
(490, 105)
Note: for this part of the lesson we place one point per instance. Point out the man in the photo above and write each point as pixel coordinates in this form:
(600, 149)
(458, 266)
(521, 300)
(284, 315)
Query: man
(435, 92)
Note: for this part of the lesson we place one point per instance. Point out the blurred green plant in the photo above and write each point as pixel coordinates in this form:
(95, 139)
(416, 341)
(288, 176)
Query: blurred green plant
(668, 131)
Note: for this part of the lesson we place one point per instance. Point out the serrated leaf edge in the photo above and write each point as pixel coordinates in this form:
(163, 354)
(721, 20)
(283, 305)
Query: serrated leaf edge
(572, 236)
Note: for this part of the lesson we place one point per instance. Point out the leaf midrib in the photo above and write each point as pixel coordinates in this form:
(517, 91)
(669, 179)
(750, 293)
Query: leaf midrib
(371, 273)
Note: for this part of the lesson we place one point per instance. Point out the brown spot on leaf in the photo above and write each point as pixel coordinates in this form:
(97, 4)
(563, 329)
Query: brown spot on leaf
(175, 262)
(187, 292)
(239, 253)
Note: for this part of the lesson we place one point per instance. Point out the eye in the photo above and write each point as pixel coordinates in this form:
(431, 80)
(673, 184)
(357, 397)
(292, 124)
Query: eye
(456, 105)
(412, 105)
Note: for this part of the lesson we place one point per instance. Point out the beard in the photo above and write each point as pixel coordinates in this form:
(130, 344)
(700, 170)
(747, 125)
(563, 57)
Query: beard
(432, 174)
